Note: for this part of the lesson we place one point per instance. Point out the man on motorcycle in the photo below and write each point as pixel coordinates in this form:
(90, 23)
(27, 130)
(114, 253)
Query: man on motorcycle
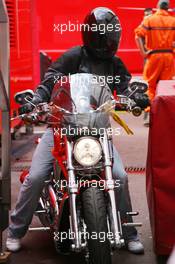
(96, 56)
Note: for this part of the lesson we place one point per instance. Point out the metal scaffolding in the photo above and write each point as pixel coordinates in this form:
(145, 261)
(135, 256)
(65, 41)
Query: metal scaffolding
(5, 174)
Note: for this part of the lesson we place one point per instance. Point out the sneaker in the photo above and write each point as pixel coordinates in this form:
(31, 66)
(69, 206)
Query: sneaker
(135, 247)
(13, 244)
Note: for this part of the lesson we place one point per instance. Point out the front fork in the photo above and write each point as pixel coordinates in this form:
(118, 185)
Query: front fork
(115, 221)
(73, 190)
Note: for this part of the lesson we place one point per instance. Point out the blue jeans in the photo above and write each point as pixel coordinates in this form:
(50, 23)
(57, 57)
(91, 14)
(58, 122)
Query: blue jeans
(41, 167)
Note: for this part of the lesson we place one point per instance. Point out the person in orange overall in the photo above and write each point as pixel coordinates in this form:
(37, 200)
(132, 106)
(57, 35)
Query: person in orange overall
(155, 37)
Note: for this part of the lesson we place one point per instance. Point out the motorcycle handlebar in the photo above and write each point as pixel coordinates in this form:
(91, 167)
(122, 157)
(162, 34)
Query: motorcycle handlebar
(45, 108)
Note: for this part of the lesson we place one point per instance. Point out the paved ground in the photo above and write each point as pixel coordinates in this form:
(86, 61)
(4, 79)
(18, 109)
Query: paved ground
(38, 247)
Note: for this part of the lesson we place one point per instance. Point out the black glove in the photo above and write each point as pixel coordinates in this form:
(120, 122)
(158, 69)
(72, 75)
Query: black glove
(142, 100)
(28, 107)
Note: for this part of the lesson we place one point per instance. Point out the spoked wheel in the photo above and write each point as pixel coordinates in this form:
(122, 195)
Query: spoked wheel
(95, 217)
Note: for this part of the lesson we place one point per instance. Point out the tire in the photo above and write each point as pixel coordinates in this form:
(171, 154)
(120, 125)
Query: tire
(95, 217)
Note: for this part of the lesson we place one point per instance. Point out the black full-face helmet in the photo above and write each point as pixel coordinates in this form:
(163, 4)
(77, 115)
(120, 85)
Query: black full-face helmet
(101, 33)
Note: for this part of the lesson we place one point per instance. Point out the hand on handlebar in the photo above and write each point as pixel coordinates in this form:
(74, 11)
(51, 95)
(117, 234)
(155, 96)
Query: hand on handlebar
(135, 104)
(28, 107)
(141, 100)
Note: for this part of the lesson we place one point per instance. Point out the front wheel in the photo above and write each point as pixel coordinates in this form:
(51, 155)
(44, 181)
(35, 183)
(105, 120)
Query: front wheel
(95, 217)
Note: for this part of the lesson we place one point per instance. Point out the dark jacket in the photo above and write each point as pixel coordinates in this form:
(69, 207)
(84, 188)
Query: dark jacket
(77, 60)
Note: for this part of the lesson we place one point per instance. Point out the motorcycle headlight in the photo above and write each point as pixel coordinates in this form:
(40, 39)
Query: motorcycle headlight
(87, 151)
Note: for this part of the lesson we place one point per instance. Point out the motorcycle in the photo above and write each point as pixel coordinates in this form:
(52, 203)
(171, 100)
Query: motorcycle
(77, 203)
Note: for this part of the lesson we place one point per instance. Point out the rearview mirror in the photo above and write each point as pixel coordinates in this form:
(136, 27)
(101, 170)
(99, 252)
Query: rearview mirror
(23, 97)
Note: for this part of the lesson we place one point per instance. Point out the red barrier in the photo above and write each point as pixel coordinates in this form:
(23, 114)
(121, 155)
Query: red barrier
(160, 181)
